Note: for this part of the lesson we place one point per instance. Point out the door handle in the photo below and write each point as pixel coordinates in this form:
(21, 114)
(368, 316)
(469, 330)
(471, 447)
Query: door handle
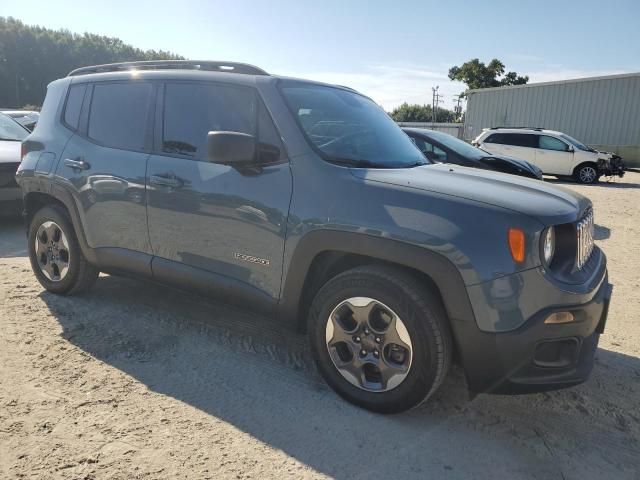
(76, 164)
(165, 181)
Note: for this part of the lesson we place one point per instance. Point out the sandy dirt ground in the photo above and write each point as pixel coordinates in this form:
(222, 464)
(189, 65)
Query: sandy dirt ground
(134, 380)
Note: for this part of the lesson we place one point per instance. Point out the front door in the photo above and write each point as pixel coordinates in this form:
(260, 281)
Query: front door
(553, 156)
(211, 217)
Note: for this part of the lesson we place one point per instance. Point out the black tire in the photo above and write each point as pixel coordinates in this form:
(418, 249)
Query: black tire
(80, 275)
(422, 314)
(586, 174)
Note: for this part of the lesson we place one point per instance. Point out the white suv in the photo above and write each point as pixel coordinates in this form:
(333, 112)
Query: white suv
(555, 153)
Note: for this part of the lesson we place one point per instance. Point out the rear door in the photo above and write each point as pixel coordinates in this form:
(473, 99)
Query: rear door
(104, 162)
(521, 145)
(554, 156)
(494, 143)
(213, 218)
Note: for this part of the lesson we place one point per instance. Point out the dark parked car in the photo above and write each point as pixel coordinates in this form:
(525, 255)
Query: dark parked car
(445, 148)
(11, 136)
(306, 201)
(27, 118)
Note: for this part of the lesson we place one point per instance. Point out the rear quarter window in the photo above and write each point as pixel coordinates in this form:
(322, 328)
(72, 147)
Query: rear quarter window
(74, 105)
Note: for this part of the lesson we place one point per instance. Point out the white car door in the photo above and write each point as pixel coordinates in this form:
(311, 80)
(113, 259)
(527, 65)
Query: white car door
(554, 156)
(493, 143)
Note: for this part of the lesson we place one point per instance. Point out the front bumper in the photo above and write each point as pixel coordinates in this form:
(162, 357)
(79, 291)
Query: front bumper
(612, 167)
(534, 356)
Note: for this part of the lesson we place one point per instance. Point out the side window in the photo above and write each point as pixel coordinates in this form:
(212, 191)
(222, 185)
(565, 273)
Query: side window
(429, 150)
(551, 143)
(495, 138)
(520, 140)
(118, 116)
(193, 110)
(74, 105)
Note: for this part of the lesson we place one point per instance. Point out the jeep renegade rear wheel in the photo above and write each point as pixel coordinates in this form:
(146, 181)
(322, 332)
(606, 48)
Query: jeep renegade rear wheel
(56, 257)
(380, 338)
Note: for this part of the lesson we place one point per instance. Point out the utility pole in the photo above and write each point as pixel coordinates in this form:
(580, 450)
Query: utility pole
(457, 109)
(434, 104)
(17, 90)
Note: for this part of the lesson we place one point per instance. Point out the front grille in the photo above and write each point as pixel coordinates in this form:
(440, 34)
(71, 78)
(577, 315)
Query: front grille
(584, 230)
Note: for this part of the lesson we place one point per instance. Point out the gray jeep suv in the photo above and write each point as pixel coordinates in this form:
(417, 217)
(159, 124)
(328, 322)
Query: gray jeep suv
(306, 201)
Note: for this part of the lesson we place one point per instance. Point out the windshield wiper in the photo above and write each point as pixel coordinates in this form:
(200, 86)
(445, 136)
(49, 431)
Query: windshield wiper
(9, 140)
(355, 162)
(362, 163)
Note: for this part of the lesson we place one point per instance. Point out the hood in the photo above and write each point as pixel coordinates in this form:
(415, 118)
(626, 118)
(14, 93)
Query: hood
(607, 155)
(518, 163)
(10, 152)
(550, 204)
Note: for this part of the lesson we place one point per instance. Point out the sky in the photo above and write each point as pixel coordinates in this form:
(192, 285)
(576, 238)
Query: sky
(393, 51)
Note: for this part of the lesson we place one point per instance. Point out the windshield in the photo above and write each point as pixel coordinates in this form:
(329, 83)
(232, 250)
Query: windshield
(11, 130)
(348, 128)
(458, 146)
(576, 143)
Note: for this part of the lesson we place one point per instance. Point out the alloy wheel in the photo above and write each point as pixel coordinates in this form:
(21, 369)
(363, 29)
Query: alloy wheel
(587, 174)
(52, 251)
(369, 344)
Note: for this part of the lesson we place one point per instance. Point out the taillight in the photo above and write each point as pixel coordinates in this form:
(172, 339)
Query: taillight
(23, 151)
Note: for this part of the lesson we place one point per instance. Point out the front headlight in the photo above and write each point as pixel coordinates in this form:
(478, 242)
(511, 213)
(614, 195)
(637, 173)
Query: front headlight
(548, 245)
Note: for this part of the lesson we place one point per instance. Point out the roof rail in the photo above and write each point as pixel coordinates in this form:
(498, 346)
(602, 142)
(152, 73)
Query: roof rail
(206, 65)
(537, 129)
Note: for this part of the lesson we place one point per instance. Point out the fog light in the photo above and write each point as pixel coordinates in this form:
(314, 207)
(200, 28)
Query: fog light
(560, 317)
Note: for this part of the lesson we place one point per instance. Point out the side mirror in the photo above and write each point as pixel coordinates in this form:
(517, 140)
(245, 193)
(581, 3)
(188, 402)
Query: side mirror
(231, 148)
(570, 148)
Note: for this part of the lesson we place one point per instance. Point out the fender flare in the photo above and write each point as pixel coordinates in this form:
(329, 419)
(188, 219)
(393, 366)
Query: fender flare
(62, 196)
(440, 269)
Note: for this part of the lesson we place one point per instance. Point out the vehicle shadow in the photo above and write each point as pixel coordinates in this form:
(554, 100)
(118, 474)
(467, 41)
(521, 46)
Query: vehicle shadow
(601, 232)
(13, 241)
(252, 373)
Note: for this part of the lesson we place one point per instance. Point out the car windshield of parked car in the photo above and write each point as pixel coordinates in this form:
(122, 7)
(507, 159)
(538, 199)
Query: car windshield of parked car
(348, 128)
(10, 130)
(458, 146)
(576, 143)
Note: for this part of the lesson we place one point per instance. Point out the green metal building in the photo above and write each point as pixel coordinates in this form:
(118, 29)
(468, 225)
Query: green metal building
(603, 112)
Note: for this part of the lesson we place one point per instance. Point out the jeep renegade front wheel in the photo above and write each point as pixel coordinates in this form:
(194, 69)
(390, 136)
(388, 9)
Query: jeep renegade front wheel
(56, 257)
(380, 338)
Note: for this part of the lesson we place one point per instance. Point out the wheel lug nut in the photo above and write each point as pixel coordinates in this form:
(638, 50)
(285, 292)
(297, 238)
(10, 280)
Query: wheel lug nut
(378, 340)
(376, 353)
(366, 331)
(363, 353)
(356, 339)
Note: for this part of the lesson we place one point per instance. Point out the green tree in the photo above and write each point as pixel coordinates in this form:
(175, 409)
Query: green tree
(420, 113)
(478, 75)
(31, 57)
